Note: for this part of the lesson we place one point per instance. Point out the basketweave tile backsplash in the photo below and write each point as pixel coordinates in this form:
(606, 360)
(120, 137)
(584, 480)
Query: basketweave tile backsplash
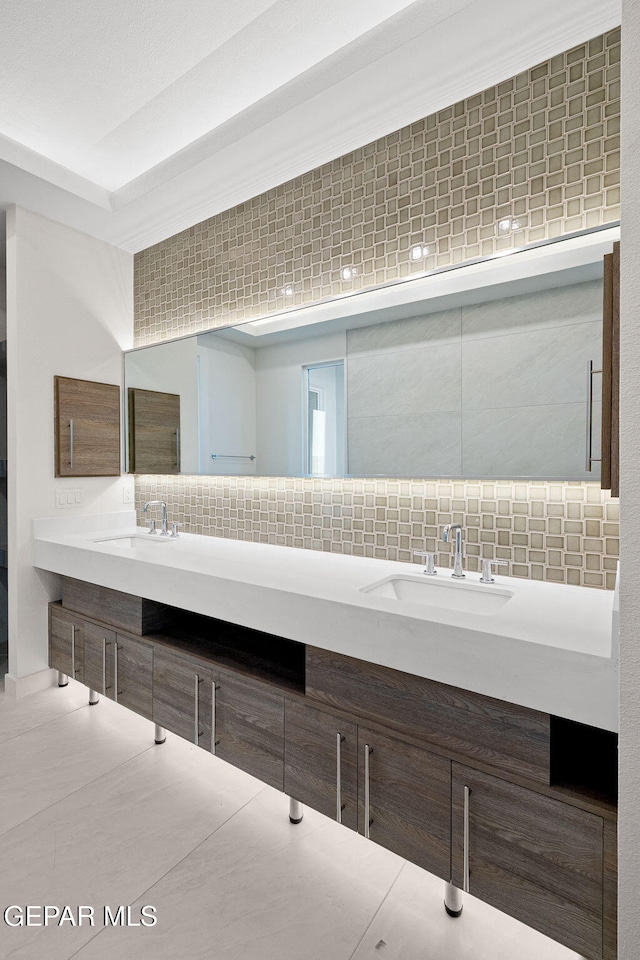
(534, 157)
(560, 532)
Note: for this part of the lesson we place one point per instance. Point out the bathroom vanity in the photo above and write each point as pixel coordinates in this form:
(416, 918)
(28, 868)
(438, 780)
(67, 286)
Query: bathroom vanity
(478, 745)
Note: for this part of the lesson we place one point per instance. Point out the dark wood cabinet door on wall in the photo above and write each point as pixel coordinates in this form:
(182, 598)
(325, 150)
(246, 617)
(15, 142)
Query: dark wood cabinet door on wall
(248, 728)
(321, 766)
(405, 795)
(66, 644)
(154, 431)
(87, 428)
(533, 857)
(182, 697)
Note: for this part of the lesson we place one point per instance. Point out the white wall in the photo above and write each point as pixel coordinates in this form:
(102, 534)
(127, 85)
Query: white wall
(227, 406)
(172, 368)
(279, 390)
(629, 754)
(69, 312)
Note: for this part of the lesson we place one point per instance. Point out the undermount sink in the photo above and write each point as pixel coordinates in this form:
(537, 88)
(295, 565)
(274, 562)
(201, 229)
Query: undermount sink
(127, 542)
(435, 592)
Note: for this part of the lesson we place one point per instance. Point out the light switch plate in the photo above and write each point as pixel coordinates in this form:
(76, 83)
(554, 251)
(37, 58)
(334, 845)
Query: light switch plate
(66, 497)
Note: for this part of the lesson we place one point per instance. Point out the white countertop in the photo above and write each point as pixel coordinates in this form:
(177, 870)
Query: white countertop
(549, 648)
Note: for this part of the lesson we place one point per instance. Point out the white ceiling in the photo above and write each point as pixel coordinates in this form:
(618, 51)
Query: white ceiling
(131, 121)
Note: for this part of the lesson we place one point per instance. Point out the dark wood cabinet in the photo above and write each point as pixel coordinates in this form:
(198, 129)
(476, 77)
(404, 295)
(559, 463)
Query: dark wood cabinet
(66, 643)
(87, 428)
(99, 656)
(248, 728)
(321, 768)
(610, 472)
(509, 803)
(154, 431)
(182, 697)
(120, 610)
(405, 800)
(503, 735)
(531, 856)
(119, 668)
(133, 675)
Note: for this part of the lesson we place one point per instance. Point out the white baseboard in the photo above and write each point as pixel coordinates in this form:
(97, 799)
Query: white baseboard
(18, 687)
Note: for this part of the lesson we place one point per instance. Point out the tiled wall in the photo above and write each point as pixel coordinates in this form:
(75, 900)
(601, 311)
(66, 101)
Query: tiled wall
(562, 532)
(541, 148)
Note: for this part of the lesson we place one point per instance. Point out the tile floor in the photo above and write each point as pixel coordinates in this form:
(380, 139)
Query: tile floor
(92, 813)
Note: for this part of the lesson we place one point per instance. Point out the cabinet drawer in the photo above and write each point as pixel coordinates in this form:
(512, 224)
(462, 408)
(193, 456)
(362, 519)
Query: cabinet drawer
(500, 734)
(249, 728)
(122, 611)
(318, 772)
(405, 800)
(531, 856)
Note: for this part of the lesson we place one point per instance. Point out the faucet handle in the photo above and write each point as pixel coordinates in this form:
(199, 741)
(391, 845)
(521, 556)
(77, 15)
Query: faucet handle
(174, 530)
(430, 562)
(152, 526)
(487, 576)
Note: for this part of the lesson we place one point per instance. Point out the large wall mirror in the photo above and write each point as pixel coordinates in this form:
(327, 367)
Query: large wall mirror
(480, 372)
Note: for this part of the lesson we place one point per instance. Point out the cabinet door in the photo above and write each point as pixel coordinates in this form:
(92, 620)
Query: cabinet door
(66, 643)
(405, 800)
(321, 768)
(154, 431)
(133, 675)
(248, 725)
(87, 428)
(99, 655)
(532, 857)
(182, 697)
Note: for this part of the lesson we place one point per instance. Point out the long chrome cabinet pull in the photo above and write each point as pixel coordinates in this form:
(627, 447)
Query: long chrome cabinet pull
(104, 666)
(115, 670)
(367, 798)
(178, 447)
(73, 650)
(213, 717)
(339, 739)
(590, 458)
(71, 444)
(465, 842)
(196, 713)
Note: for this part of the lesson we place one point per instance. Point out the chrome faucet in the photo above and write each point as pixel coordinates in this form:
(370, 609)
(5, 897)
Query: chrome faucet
(458, 572)
(158, 503)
